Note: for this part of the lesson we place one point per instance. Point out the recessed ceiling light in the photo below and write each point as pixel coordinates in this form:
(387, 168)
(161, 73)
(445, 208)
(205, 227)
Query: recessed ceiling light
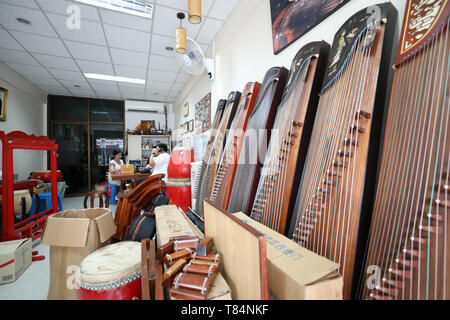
(113, 78)
(135, 7)
(156, 93)
(23, 20)
(169, 48)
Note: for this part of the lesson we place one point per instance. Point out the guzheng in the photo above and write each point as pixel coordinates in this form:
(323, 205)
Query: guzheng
(224, 179)
(212, 159)
(256, 139)
(199, 177)
(291, 132)
(408, 255)
(340, 169)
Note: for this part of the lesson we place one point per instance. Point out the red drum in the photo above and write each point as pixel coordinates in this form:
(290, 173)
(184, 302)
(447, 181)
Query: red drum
(179, 192)
(111, 273)
(179, 178)
(180, 163)
(45, 175)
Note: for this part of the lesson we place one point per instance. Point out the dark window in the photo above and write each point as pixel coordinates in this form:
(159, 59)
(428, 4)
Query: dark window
(106, 111)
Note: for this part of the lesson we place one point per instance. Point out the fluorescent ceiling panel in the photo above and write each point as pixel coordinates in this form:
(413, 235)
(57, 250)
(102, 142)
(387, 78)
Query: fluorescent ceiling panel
(113, 78)
(135, 7)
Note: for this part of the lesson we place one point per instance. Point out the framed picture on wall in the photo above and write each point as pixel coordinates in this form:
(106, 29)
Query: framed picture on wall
(191, 125)
(203, 114)
(186, 109)
(293, 19)
(3, 98)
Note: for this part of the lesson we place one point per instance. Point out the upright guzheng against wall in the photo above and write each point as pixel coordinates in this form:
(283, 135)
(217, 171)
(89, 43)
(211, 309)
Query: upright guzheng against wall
(212, 159)
(256, 140)
(340, 169)
(221, 191)
(408, 255)
(290, 137)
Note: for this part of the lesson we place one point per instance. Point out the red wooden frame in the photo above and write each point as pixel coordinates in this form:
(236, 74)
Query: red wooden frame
(33, 226)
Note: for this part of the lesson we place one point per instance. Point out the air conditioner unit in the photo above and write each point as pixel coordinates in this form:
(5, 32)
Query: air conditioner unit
(143, 106)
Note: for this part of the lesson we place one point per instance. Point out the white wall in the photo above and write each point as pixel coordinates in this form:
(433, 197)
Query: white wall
(243, 49)
(25, 112)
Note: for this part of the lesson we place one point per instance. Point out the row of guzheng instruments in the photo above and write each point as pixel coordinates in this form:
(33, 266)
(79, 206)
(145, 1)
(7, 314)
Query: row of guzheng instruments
(322, 155)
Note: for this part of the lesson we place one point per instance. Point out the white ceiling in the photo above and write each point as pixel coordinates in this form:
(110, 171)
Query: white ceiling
(54, 57)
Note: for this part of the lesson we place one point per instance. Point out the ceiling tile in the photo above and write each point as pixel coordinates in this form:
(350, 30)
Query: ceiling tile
(41, 44)
(104, 90)
(155, 75)
(56, 62)
(83, 93)
(89, 52)
(159, 44)
(160, 85)
(183, 77)
(70, 84)
(89, 31)
(133, 93)
(164, 63)
(95, 67)
(14, 56)
(62, 6)
(127, 38)
(67, 75)
(130, 72)
(129, 58)
(209, 30)
(55, 90)
(6, 41)
(38, 81)
(39, 23)
(222, 9)
(30, 70)
(178, 86)
(125, 20)
(23, 3)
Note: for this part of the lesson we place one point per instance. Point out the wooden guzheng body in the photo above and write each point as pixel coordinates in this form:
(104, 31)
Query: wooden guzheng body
(131, 203)
(340, 170)
(199, 177)
(408, 251)
(255, 143)
(283, 164)
(213, 158)
(223, 182)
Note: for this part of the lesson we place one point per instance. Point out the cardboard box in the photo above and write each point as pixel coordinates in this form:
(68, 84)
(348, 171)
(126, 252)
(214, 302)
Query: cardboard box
(15, 258)
(172, 222)
(294, 272)
(73, 235)
(127, 169)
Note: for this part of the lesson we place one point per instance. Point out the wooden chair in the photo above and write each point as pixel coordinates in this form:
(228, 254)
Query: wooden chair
(132, 202)
(96, 194)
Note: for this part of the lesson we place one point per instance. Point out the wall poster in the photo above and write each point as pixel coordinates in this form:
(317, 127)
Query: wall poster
(203, 114)
(291, 19)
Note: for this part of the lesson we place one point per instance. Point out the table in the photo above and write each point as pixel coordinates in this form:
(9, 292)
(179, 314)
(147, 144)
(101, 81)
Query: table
(134, 177)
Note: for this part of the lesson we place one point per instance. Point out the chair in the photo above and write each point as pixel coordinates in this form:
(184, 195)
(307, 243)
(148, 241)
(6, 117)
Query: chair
(44, 203)
(132, 202)
(96, 194)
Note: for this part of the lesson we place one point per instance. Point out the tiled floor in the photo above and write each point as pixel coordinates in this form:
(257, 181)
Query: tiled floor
(33, 284)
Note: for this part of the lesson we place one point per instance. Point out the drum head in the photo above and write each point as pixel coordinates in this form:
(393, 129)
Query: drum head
(111, 266)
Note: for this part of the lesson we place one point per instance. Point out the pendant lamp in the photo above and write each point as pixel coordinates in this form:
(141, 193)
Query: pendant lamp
(195, 11)
(181, 35)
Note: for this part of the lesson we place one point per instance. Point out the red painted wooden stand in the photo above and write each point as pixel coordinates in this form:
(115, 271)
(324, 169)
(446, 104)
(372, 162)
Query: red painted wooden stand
(34, 226)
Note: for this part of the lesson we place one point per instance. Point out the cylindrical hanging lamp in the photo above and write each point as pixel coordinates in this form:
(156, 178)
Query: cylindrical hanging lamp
(195, 11)
(181, 35)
